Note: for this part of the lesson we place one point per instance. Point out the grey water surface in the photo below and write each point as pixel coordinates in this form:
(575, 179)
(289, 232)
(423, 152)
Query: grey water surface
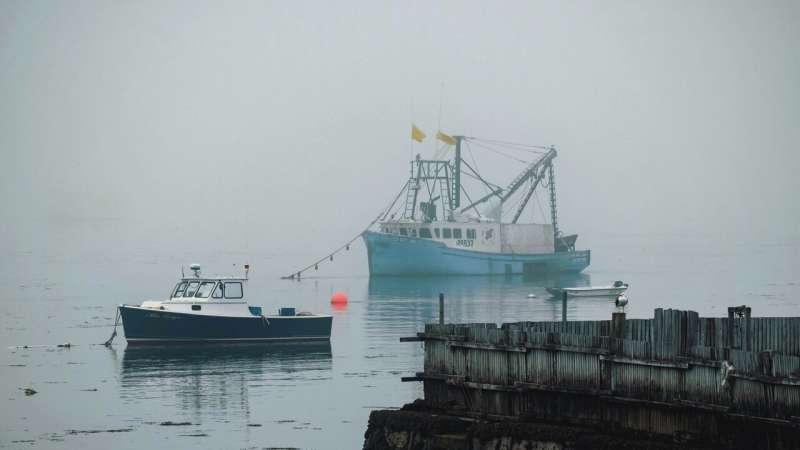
(305, 396)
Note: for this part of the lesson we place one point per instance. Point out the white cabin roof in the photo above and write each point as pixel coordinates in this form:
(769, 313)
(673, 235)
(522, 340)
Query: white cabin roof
(192, 278)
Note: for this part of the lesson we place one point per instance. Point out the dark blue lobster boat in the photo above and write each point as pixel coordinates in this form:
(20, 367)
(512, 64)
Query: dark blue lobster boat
(205, 310)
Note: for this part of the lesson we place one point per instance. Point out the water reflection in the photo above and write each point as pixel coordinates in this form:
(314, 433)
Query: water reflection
(212, 380)
(405, 303)
(458, 286)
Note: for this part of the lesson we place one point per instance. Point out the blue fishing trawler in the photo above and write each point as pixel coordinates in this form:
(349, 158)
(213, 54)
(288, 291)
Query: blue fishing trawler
(436, 232)
(214, 309)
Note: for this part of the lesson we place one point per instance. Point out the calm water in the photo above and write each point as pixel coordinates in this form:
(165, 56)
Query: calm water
(304, 396)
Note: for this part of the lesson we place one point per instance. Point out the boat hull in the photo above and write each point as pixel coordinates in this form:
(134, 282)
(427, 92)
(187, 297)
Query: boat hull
(390, 254)
(600, 292)
(151, 326)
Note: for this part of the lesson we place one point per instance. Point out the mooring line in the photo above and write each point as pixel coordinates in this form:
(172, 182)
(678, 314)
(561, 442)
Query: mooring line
(114, 333)
(69, 344)
(296, 274)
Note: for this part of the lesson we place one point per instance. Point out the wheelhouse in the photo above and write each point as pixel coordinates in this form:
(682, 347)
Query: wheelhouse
(205, 289)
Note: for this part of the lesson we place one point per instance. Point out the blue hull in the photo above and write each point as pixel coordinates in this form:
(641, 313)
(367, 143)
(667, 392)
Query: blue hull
(399, 255)
(148, 326)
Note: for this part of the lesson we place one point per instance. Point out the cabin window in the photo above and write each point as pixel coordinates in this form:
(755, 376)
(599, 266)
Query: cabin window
(218, 292)
(180, 288)
(456, 233)
(190, 291)
(205, 289)
(413, 232)
(425, 233)
(447, 233)
(436, 232)
(196, 307)
(233, 289)
(470, 233)
(403, 232)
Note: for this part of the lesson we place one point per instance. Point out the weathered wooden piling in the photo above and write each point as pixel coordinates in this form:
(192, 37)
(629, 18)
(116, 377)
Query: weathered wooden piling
(441, 309)
(667, 375)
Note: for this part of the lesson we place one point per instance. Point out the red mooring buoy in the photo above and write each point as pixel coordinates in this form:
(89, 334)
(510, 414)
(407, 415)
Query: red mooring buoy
(339, 298)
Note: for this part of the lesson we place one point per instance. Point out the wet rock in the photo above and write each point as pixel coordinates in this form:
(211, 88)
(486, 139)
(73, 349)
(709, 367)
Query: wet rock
(397, 439)
(253, 424)
(29, 391)
(170, 423)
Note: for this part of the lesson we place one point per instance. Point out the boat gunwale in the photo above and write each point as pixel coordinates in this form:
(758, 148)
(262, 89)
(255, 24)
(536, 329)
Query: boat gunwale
(191, 313)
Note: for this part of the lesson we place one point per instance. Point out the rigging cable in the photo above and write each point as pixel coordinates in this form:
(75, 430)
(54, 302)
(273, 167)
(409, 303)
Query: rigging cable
(501, 153)
(512, 144)
(469, 149)
(296, 274)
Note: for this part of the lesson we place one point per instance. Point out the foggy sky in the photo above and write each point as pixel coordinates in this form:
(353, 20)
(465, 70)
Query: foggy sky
(263, 125)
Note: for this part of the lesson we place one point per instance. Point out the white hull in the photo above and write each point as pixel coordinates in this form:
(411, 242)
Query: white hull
(596, 292)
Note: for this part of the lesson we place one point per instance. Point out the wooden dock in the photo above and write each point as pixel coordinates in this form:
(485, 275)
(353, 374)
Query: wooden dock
(731, 380)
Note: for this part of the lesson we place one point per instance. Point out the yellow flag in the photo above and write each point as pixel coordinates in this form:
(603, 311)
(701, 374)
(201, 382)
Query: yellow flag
(446, 138)
(416, 133)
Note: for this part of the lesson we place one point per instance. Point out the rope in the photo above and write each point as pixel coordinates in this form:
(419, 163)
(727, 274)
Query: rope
(296, 274)
(114, 333)
(500, 153)
(512, 144)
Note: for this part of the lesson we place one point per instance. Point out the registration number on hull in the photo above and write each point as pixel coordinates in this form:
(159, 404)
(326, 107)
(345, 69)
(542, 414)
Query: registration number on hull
(468, 243)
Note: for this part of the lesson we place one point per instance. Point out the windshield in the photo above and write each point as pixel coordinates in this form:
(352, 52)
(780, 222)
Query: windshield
(205, 289)
(190, 291)
(179, 289)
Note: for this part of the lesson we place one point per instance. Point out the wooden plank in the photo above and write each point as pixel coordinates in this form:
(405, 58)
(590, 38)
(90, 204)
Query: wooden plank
(565, 348)
(521, 385)
(480, 346)
(409, 379)
(639, 362)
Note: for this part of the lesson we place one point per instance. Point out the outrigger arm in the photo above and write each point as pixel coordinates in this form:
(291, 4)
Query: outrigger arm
(536, 170)
(530, 172)
(527, 197)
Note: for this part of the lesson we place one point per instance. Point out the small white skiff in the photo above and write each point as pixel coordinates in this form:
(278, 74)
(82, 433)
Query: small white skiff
(592, 291)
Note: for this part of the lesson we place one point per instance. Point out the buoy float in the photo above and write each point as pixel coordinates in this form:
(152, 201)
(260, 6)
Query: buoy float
(339, 298)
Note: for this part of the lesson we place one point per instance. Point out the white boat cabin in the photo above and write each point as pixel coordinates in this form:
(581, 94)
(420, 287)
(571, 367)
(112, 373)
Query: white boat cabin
(209, 288)
(211, 296)
(478, 236)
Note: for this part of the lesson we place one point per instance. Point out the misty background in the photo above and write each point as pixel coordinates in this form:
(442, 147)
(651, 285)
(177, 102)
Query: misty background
(276, 131)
